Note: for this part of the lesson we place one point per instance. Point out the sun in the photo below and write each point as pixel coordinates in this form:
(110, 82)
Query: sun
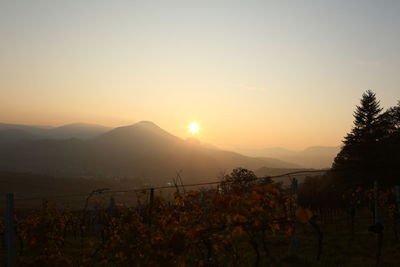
(194, 127)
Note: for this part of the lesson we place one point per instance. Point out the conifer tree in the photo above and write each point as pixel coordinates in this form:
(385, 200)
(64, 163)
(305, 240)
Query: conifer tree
(358, 162)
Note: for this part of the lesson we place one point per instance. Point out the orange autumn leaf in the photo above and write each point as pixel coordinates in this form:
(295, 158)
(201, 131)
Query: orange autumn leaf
(192, 193)
(303, 215)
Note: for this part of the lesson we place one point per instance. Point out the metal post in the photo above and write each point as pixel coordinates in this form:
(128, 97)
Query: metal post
(9, 234)
(294, 192)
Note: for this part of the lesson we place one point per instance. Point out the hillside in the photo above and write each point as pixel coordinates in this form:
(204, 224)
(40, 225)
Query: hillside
(77, 130)
(142, 151)
(74, 130)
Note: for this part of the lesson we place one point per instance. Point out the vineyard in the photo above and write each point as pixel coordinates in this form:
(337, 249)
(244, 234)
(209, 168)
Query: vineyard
(237, 222)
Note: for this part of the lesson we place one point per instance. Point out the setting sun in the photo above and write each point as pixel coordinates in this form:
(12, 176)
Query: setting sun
(194, 127)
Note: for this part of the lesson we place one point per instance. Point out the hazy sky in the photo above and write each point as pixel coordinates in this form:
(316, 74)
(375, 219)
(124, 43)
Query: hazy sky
(252, 73)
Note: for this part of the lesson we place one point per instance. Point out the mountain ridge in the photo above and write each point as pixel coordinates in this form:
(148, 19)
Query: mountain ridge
(142, 150)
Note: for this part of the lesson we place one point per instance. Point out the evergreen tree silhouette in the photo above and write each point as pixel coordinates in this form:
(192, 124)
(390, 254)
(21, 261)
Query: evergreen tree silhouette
(359, 161)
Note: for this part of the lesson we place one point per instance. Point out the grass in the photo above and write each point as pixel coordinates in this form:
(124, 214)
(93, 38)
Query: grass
(338, 249)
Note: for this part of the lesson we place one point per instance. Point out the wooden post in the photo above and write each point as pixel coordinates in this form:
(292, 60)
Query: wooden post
(45, 204)
(294, 194)
(111, 207)
(151, 202)
(376, 203)
(352, 216)
(9, 234)
(377, 224)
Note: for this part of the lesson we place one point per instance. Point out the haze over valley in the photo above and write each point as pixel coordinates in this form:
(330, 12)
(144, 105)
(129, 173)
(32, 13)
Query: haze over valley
(310, 157)
(143, 152)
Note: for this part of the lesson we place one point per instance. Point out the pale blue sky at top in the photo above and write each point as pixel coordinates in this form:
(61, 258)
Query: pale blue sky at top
(251, 73)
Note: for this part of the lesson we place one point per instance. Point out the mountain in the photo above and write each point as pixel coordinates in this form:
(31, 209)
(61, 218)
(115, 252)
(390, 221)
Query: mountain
(146, 144)
(311, 157)
(142, 151)
(74, 130)
(77, 130)
(10, 137)
(35, 130)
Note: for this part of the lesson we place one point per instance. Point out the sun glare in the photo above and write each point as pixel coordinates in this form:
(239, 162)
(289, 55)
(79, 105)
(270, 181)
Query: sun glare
(194, 127)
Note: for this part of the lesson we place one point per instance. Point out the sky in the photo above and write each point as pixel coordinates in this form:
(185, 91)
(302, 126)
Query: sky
(253, 74)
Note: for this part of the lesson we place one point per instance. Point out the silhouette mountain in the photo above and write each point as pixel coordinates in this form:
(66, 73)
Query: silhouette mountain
(77, 130)
(9, 137)
(142, 151)
(74, 130)
(35, 130)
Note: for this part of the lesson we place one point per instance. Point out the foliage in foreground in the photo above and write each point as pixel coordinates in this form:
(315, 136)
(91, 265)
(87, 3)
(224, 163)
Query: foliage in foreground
(197, 228)
(242, 222)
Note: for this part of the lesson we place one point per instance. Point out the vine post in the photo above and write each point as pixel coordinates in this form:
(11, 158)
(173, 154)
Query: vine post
(377, 227)
(293, 207)
(151, 203)
(111, 207)
(9, 234)
(376, 203)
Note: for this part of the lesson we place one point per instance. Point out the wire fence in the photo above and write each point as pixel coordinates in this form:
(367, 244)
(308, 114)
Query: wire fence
(134, 190)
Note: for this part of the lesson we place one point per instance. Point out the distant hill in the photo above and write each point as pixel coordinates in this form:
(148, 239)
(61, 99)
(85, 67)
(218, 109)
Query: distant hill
(311, 157)
(11, 136)
(75, 130)
(142, 151)
(35, 130)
